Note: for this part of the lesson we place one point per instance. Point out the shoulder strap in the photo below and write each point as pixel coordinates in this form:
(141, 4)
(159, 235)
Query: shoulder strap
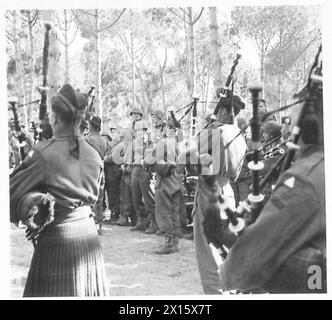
(94, 147)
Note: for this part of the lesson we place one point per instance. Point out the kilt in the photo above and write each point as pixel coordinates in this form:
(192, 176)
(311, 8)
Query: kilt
(68, 259)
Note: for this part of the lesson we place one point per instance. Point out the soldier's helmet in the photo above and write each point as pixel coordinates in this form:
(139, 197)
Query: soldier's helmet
(158, 114)
(136, 110)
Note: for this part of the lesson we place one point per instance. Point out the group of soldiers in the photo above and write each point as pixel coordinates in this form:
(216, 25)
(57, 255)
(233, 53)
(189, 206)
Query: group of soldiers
(139, 188)
(147, 195)
(144, 183)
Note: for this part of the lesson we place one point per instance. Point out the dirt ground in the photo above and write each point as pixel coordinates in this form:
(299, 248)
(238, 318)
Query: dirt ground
(131, 266)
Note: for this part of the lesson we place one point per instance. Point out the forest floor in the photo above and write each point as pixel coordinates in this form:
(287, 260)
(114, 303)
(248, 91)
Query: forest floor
(132, 267)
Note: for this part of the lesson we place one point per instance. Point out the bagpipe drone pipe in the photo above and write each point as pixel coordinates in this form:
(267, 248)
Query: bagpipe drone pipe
(227, 102)
(19, 134)
(91, 96)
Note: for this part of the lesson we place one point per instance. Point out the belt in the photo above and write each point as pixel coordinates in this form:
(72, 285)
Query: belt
(79, 213)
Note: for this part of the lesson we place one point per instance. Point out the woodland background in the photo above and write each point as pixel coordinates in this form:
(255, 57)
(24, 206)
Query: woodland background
(159, 57)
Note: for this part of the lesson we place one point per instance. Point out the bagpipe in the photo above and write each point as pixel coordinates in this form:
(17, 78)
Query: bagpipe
(173, 121)
(201, 141)
(277, 150)
(35, 131)
(89, 112)
(267, 152)
(225, 96)
(191, 107)
(226, 101)
(219, 214)
(19, 134)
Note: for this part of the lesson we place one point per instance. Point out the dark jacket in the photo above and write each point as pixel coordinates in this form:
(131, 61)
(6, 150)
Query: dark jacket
(98, 142)
(49, 167)
(288, 236)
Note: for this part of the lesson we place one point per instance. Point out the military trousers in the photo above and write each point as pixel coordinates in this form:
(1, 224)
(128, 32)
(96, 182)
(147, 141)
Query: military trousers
(168, 211)
(143, 197)
(98, 208)
(128, 209)
(207, 265)
(113, 174)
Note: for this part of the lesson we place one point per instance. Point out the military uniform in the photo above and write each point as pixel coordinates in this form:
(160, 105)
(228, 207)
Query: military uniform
(142, 193)
(67, 260)
(168, 192)
(121, 155)
(276, 252)
(100, 144)
(227, 165)
(113, 175)
(14, 151)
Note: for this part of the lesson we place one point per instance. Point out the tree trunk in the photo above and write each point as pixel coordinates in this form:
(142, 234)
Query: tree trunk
(191, 53)
(54, 74)
(162, 81)
(214, 36)
(163, 90)
(190, 50)
(66, 48)
(187, 55)
(99, 109)
(31, 114)
(132, 59)
(261, 56)
(206, 94)
(19, 74)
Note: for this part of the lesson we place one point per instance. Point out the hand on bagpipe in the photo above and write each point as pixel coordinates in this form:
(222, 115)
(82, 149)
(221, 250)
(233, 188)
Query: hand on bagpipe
(173, 121)
(215, 225)
(38, 211)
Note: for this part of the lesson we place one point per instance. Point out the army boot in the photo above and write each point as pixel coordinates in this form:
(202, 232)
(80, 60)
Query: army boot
(142, 224)
(114, 216)
(122, 221)
(188, 236)
(160, 233)
(170, 246)
(153, 228)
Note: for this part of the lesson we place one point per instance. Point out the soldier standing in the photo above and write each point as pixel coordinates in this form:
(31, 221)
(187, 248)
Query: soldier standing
(284, 251)
(99, 143)
(113, 175)
(225, 164)
(68, 259)
(121, 155)
(168, 190)
(143, 196)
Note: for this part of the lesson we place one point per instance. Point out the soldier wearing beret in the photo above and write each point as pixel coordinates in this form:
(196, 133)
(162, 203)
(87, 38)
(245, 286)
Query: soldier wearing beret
(67, 259)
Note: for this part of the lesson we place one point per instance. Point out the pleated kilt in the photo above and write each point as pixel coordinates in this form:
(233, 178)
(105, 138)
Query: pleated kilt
(68, 259)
